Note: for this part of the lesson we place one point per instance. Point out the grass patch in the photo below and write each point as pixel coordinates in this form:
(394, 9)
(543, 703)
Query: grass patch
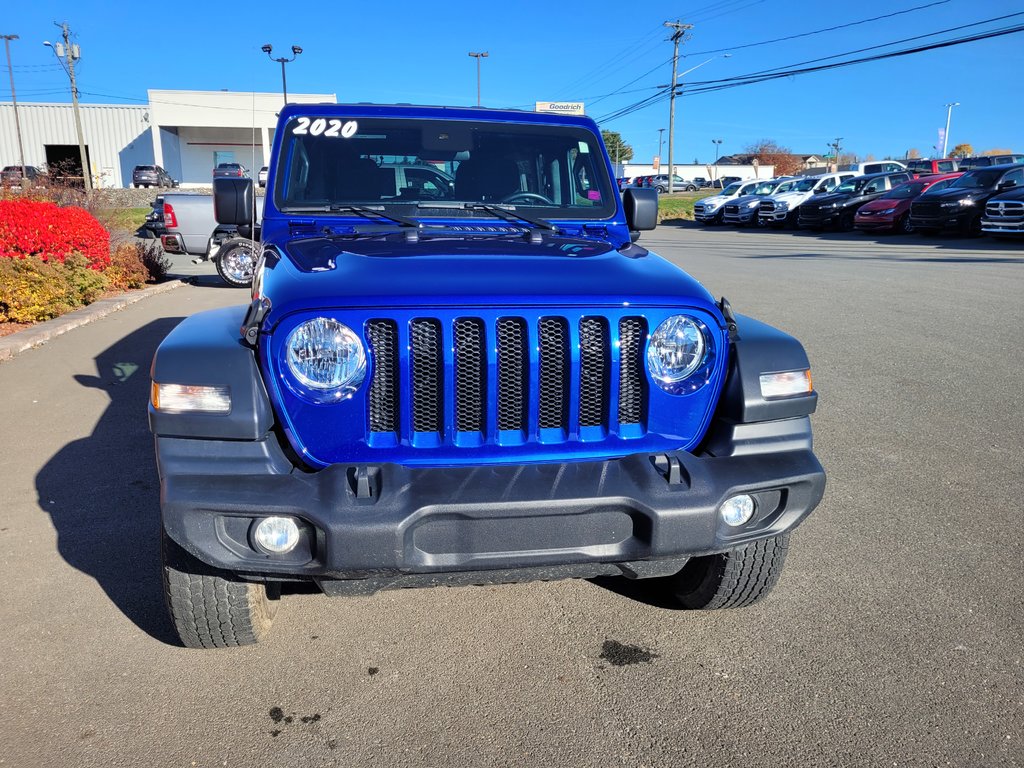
(678, 206)
(127, 219)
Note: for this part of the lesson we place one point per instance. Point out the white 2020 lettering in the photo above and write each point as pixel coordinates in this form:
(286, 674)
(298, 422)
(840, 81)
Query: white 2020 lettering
(333, 128)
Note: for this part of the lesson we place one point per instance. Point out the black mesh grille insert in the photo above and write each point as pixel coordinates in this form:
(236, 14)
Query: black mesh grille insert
(513, 372)
(554, 373)
(632, 382)
(427, 376)
(594, 368)
(470, 375)
(383, 338)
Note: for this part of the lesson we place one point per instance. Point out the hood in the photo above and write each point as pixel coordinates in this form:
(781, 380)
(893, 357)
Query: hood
(882, 204)
(1015, 194)
(388, 271)
(833, 197)
(714, 200)
(957, 193)
(789, 196)
(746, 199)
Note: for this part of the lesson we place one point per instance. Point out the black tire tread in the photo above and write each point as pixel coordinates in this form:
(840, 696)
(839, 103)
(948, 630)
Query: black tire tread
(210, 610)
(739, 577)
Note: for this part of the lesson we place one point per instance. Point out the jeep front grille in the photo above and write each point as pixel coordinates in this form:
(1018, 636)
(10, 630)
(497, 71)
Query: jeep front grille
(551, 372)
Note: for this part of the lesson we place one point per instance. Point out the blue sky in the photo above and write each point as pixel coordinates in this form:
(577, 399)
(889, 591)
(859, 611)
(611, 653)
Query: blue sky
(418, 52)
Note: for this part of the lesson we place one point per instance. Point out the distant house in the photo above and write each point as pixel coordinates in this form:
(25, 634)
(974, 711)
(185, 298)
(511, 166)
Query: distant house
(811, 161)
(743, 159)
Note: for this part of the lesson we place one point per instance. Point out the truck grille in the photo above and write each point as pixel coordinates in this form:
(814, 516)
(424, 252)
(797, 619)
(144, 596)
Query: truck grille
(572, 362)
(732, 210)
(1005, 209)
(767, 206)
(925, 208)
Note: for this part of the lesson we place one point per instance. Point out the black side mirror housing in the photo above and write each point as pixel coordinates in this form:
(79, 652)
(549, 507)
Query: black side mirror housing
(1007, 184)
(641, 207)
(233, 201)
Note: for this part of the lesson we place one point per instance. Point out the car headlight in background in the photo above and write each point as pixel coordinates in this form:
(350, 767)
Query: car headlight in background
(326, 358)
(888, 210)
(679, 348)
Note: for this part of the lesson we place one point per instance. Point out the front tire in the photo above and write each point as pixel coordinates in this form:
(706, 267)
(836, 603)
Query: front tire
(210, 609)
(905, 226)
(235, 262)
(733, 579)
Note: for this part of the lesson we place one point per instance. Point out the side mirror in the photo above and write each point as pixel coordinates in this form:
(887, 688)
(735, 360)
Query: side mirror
(1007, 184)
(233, 201)
(641, 208)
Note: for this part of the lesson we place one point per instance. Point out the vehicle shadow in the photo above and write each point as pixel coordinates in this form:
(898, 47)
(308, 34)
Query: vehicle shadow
(102, 491)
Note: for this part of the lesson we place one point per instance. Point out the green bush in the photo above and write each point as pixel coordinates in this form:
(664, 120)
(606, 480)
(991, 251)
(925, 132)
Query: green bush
(32, 290)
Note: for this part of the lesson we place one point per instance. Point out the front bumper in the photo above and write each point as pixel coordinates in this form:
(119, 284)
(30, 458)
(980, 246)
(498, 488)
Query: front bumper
(952, 220)
(773, 217)
(743, 217)
(373, 521)
(1002, 227)
(706, 216)
(875, 223)
(818, 220)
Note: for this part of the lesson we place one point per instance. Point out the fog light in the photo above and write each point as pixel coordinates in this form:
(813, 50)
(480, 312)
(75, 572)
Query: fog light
(736, 510)
(276, 535)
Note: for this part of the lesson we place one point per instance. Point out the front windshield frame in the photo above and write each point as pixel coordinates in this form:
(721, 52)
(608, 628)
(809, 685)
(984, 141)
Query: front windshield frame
(566, 161)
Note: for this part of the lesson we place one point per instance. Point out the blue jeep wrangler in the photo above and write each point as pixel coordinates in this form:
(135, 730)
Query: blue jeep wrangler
(476, 378)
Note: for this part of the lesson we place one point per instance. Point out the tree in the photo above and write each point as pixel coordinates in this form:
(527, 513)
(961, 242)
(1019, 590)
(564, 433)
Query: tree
(913, 154)
(619, 150)
(962, 150)
(869, 158)
(770, 152)
(997, 152)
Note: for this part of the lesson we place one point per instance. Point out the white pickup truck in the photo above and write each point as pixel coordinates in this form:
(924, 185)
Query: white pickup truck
(192, 229)
(708, 210)
(780, 209)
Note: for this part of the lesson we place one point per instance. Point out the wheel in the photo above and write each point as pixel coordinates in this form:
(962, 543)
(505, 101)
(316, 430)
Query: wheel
(733, 579)
(904, 225)
(235, 261)
(527, 197)
(210, 609)
(660, 189)
(147, 234)
(690, 188)
(791, 220)
(136, 185)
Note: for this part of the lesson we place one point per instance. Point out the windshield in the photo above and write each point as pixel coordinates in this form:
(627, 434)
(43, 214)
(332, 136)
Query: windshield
(786, 186)
(765, 188)
(393, 161)
(851, 186)
(977, 179)
(805, 185)
(903, 191)
(731, 190)
(919, 165)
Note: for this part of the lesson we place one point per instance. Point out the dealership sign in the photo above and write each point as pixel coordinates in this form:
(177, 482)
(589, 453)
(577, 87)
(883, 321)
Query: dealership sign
(561, 107)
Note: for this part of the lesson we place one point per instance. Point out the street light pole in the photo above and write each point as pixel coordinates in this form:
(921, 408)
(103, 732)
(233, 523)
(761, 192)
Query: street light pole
(718, 146)
(14, 99)
(945, 135)
(296, 50)
(661, 135)
(478, 56)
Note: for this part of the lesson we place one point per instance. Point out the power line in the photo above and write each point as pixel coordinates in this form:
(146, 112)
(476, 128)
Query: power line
(735, 82)
(826, 29)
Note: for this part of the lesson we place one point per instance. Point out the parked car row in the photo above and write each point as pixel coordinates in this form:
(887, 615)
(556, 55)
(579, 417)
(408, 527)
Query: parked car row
(986, 199)
(679, 184)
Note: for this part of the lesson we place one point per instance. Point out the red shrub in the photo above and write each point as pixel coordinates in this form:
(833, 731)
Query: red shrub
(43, 229)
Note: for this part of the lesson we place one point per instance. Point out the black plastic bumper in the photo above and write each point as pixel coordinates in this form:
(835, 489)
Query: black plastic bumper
(362, 521)
(951, 220)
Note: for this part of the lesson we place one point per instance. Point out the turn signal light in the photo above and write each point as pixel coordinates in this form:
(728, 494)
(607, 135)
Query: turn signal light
(786, 384)
(186, 398)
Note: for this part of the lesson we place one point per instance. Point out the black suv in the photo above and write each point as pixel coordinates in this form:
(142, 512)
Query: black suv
(151, 176)
(839, 207)
(987, 161)
(961, 205)
(13, 174)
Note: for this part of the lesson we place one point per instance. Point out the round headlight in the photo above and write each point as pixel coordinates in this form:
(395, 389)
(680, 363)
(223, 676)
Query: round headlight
(326, 357)
(677, 349)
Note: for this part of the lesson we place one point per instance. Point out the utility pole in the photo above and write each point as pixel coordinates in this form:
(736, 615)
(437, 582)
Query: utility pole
(478, 56)
(679, 30)
(945, 135)
(661, 135)
(14, 98)
(71, 54)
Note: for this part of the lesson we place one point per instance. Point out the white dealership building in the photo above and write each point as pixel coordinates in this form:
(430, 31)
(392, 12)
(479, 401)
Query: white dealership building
(185, 132)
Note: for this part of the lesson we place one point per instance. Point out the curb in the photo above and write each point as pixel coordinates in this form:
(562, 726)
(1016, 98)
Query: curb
(39, 334)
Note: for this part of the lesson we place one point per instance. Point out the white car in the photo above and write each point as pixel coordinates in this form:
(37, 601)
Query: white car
(743, 210)
(708, 210)
(781, 208)
(261, 177)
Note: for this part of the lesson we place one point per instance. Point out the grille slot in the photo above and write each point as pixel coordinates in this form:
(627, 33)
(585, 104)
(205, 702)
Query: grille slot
(383, 338)
(632, 382)
(470, 375)
(554, 373)
(427, 376)
(513, 374)
(594, 368)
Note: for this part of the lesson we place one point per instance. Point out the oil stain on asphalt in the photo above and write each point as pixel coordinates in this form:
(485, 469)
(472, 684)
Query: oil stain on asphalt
(619, 655)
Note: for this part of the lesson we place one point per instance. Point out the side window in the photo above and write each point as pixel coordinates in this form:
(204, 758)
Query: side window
(946, 166)
(940, 185)
(427, 183)
(1017, 177)
(828, 185)
(878, 185)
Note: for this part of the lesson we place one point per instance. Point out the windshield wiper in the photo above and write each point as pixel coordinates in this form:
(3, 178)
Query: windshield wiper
(507, 215)
(360, 210)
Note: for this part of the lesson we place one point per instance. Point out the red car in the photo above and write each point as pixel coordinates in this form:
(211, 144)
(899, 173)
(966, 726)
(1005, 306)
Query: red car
(891, 211)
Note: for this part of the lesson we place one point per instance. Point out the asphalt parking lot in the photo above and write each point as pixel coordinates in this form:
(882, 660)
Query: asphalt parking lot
(893, 638)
